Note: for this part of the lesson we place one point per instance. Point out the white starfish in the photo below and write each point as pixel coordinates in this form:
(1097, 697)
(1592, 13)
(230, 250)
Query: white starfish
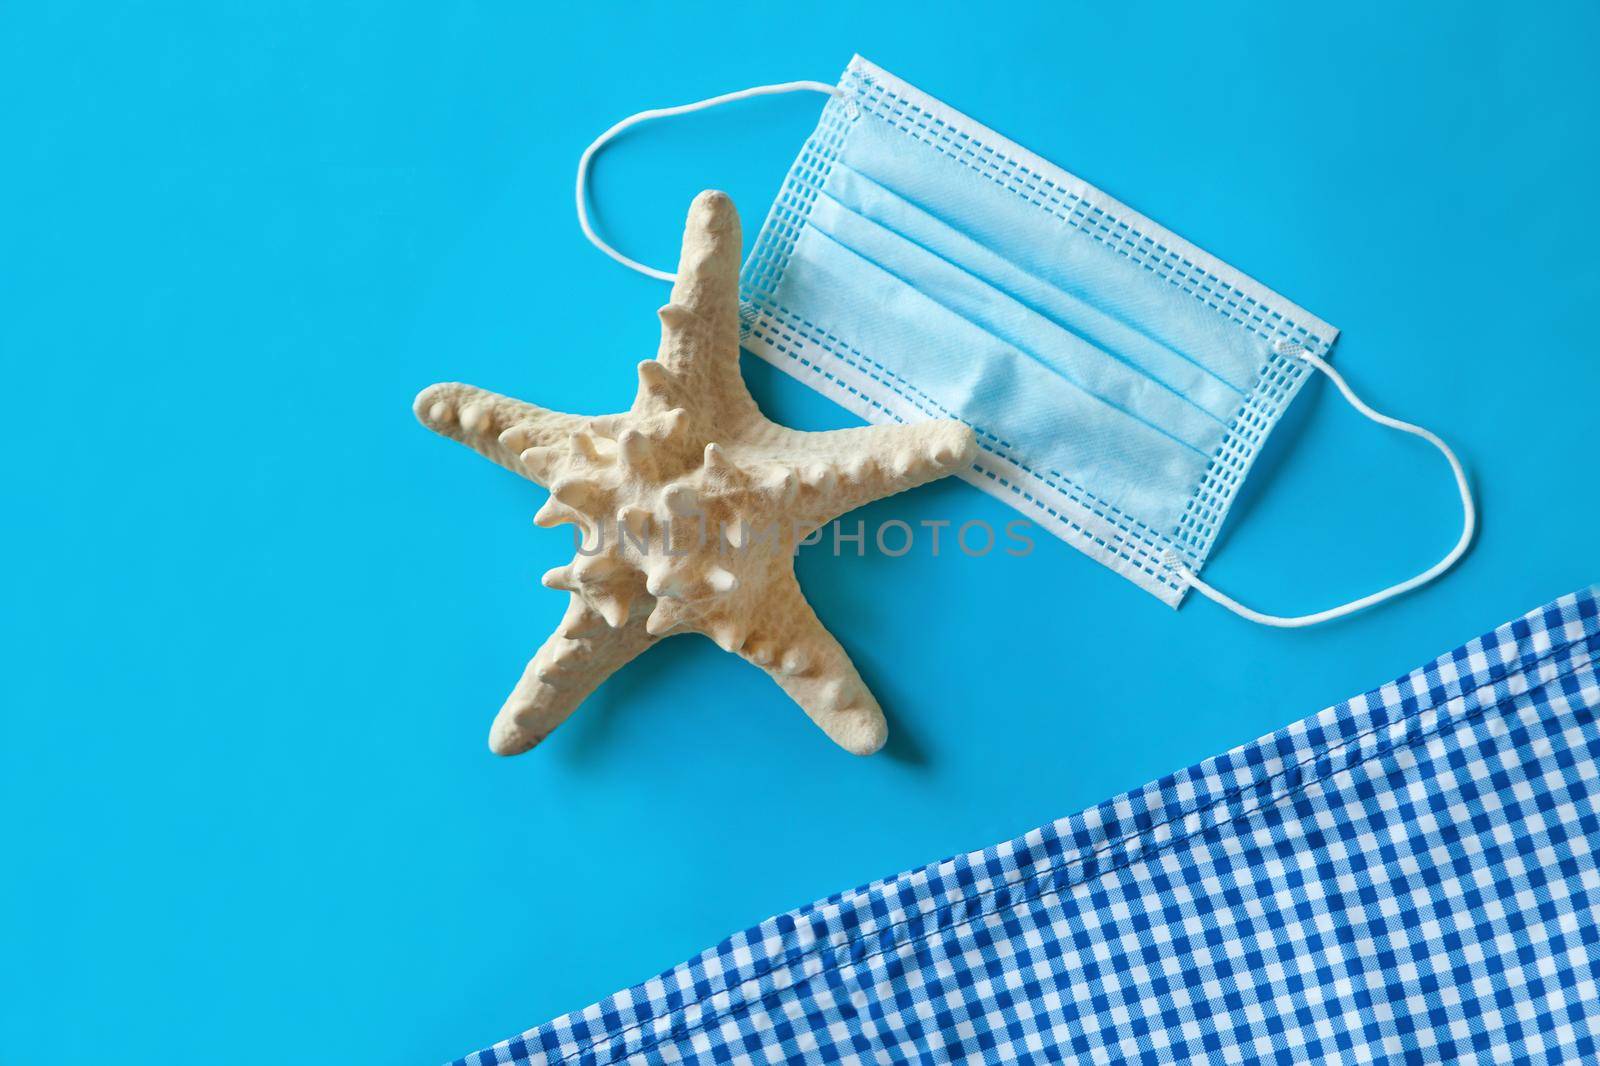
(654, 488)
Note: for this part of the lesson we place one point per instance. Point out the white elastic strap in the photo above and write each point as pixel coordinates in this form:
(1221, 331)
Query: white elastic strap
(667, 112)
(1469, 521)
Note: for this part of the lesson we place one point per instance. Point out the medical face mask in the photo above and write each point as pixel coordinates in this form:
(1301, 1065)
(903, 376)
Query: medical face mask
(1121, 381)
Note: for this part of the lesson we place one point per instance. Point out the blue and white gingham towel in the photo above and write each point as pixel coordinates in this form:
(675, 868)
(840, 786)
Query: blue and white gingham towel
(1408, 876)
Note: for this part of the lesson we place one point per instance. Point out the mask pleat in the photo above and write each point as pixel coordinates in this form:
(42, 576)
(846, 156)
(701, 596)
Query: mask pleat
(987, 291)
(1135, 348)
(996, 211)
(1068, 356)
(1063, 431)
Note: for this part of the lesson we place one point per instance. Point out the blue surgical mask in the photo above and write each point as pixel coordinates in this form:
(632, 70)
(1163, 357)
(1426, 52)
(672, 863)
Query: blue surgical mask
(1121, 381)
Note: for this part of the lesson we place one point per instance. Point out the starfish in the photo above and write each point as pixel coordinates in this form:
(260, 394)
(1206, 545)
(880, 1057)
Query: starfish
(689, 507)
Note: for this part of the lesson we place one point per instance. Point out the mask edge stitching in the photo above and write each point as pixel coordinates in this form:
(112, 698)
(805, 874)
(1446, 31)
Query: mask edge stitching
(1208, 506)
(780, 231)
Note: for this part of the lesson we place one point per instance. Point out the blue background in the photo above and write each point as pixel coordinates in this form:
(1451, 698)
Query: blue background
(257, 620)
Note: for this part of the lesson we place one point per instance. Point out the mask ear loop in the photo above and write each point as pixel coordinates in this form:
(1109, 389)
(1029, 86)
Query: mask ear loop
(667, 112)
(1469, 519)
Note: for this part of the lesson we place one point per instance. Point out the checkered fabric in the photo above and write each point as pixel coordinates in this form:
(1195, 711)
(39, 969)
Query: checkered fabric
(1408, 876)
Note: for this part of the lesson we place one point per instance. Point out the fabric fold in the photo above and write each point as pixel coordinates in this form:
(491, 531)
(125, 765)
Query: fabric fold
(1409, 874)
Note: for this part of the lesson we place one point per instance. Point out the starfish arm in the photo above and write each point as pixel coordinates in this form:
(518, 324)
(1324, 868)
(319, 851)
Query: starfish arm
(700, 326)
(495, 426)
(848, 468)
(790, 643)
(582, 653)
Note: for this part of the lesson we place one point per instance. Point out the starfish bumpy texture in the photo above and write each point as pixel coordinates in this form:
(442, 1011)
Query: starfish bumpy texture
(690, 505)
